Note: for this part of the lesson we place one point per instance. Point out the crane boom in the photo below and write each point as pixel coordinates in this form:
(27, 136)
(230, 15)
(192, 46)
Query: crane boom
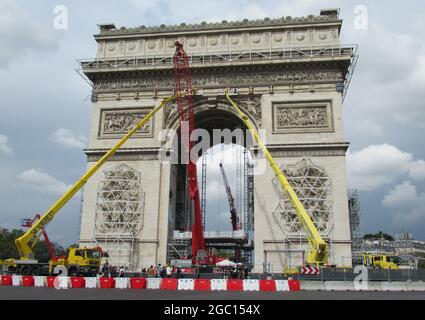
(187, 124)
(318, 253)
(233, 213)
(26, 241)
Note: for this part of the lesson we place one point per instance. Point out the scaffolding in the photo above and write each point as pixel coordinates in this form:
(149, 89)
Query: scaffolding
(313, 187)
(354, 214)
(119, 214)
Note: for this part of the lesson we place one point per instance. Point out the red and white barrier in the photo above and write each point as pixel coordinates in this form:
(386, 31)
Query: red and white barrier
(152, 283)
(186, 284)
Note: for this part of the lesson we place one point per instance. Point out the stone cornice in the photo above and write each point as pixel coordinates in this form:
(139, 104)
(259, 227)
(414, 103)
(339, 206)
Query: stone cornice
(219, 26)
(308, 149)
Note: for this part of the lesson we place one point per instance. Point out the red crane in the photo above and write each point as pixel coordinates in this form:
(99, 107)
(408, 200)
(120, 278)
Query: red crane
(233, 214)
(187, 124)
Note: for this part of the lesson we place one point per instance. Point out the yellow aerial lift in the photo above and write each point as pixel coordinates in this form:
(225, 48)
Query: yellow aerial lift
(80, 260)
(318, 254)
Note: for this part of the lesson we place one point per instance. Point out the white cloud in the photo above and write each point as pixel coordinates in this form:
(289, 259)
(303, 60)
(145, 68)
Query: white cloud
(5, 150)
(376, 165)
(68, 139)
(406, 204)
(20, 35)
(42, 182)
(417, 170)
(379, 165)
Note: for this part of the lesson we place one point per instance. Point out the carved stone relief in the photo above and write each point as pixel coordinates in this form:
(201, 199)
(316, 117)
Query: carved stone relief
(115, 123)
(205, 80)
(313, 116)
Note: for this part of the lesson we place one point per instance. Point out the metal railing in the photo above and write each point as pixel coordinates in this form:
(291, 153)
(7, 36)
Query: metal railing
(286, 53)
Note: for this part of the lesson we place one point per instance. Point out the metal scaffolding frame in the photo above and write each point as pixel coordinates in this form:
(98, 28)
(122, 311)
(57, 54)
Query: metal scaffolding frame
(313, 187)
(119, 213)
(354, 214)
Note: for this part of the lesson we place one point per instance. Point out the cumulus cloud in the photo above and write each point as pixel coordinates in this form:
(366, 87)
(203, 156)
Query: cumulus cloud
(379, 165)
(5, 150)
(67, 138)
(20, 34)
(42, 182)
(406, 203)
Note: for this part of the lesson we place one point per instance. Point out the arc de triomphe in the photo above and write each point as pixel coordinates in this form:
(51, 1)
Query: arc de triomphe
(291, 75)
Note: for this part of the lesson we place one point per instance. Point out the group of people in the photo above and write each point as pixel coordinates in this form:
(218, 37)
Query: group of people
(160, 271)
(235, 272)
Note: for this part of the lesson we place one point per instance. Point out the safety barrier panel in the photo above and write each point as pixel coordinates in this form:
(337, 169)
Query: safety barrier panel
(234, 285)
(6, 280)
(107, 283)
(169, 284)
(77, 282)
(27, 281)
(50, 281)
(394, 286)
(282, 285)
(153, 283)
(16, 280)
(62, 282)
(122, 283)
(251, 285)
(202, 284)
(39, 281)
(267, 285)
(294, 285)
(91, 282)
(186, 284)
(218, 284)
(416, 286)
(137, 283)
(339, 286)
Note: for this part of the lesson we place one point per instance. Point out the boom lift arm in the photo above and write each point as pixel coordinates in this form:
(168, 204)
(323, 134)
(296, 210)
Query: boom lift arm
(318, 253)
(25, 243)
(233, 214)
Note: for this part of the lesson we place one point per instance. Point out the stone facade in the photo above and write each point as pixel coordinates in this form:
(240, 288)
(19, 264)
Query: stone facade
(290, 74)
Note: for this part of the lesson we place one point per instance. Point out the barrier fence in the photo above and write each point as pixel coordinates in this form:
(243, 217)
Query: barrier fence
(151, 283)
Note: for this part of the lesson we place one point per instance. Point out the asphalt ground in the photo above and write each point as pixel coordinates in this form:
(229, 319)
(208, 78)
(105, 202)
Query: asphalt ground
(33, 293)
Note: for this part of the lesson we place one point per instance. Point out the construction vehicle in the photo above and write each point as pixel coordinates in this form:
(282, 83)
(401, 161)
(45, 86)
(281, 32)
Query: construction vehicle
(78, 260)
(318, 254)
(379, 261)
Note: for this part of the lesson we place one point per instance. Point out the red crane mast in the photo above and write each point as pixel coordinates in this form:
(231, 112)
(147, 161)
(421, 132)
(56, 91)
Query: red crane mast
(233, 214)
(182, 79)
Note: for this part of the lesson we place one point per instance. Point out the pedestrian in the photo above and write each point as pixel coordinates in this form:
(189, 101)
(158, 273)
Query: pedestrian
(168, 271)
(144, 273)
(106, 270)
(178, 273)
(246, 271)
(121, 272)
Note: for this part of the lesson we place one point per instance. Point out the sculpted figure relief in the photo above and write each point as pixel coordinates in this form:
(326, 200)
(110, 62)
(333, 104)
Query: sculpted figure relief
(122, 122)
(302, 117)
(224, 80)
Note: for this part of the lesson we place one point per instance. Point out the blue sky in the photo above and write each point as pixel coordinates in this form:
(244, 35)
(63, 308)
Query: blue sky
(45, 105)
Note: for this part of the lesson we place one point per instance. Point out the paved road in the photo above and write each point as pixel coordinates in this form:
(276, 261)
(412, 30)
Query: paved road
(22, 293)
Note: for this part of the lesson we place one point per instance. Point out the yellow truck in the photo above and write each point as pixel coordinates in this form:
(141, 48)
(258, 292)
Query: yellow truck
(77, 262)
(377, 261)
